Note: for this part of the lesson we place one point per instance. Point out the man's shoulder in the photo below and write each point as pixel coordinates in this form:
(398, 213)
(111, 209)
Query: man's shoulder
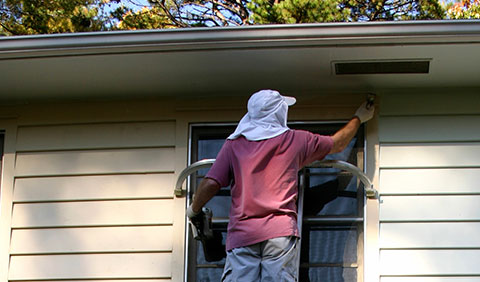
(300, 132)
(309, 136)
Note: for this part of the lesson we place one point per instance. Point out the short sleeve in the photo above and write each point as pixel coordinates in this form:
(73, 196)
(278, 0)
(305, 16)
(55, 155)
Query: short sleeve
(221, 169)
(316, 147)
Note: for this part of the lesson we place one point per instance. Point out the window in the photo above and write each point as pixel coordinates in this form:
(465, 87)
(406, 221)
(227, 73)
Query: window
(332, 229)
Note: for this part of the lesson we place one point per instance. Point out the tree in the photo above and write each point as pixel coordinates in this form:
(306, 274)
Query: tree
(398, 10)
(210, 12)
(464, 9)
(52, 16)
(57, 16)
(187, 13)
(298, 11)
(146, 18)
(305, 11)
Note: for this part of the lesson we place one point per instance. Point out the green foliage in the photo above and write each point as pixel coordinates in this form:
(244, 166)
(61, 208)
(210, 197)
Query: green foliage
(205, 12)
(297, 11)
(378, 10)
(464, 9)
(304, 11)
(59, 16)
(187, 13)
(50, 16)
(153, 18)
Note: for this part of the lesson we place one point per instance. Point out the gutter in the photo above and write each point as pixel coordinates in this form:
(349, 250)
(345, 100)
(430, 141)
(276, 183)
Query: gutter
(244, 37)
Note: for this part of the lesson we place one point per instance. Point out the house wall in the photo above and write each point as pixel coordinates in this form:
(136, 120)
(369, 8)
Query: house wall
(91, 192)
(429, 174)
(87, 187)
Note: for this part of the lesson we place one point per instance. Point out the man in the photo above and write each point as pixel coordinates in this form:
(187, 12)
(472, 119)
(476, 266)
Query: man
(261, 160)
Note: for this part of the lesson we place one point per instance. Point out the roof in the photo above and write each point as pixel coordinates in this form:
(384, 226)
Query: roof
(233, 61)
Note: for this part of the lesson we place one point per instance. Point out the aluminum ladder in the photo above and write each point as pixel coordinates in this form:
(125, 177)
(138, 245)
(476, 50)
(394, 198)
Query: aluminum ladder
(369, 190)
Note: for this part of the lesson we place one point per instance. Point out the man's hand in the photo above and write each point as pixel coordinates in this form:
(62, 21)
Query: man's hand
(191, 213)
(196, 219)
(365, 112)
(342, 137)
(202, 223)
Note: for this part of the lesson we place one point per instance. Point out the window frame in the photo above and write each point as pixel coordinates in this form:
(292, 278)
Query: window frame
(358, 221)
(2, 150)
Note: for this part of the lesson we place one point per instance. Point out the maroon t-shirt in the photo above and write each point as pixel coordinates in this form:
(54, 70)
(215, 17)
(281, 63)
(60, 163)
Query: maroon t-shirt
(263, 178)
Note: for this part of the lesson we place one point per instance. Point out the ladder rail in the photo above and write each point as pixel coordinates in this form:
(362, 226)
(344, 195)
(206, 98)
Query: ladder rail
(205, 163)
(370, 191)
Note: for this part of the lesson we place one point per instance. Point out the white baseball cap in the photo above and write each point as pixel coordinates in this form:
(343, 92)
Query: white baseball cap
(263, 102)
(266, 116)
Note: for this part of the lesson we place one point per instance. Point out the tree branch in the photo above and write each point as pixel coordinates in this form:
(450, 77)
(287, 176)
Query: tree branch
(8, 29)
(169, 15)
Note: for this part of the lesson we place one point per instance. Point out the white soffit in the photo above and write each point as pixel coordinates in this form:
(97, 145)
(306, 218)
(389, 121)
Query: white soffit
(206, 61)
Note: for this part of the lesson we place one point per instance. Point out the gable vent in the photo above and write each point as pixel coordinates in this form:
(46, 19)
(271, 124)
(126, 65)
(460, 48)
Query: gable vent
(392, 67)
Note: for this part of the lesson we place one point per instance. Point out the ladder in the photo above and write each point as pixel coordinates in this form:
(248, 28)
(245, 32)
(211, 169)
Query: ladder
(369, 190)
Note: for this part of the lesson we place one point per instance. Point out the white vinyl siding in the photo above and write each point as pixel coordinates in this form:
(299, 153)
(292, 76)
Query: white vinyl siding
(427, 155)
(126, 239)
(429, 262)
(429, 174)
(85, 187)
(433, 235)
(440, 180)
(94, 162)
(430, 208)
(92, 266)
(93, 136)
(93, 202)
(430, 279)
(91, 213)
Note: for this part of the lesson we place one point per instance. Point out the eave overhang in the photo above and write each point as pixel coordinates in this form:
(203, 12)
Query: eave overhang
(209, 61)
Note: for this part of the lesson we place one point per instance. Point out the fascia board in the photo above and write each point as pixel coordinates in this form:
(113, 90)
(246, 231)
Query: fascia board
(245, 37)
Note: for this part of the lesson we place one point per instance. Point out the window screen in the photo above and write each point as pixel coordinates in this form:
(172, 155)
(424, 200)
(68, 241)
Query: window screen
(332, 229)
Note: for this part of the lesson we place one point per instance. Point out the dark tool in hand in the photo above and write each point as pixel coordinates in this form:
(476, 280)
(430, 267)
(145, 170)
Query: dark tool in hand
(211, 239)
(370, 100)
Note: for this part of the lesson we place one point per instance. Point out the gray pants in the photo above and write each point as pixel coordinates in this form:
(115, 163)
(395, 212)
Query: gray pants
(273, 260)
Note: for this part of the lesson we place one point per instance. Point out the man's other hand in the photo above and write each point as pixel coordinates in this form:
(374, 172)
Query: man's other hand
(365, 112)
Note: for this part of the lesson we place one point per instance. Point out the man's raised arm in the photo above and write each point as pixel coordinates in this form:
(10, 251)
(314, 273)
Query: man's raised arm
(342, 137)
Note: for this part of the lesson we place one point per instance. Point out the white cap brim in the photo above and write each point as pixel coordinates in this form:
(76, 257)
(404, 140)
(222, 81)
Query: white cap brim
(289, 100)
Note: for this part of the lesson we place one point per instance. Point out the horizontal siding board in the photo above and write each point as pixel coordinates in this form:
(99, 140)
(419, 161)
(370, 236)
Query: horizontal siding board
(429, 262)
(106, 280)
(429, 129)
(430, 235)
(430, 155)
(431, 279)
(90, 136)
(93, 213)
(430, 181)
(95, 162)
(425, 208)
(407, 102)
(81, 240)
(91, 266)
(94, 187)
